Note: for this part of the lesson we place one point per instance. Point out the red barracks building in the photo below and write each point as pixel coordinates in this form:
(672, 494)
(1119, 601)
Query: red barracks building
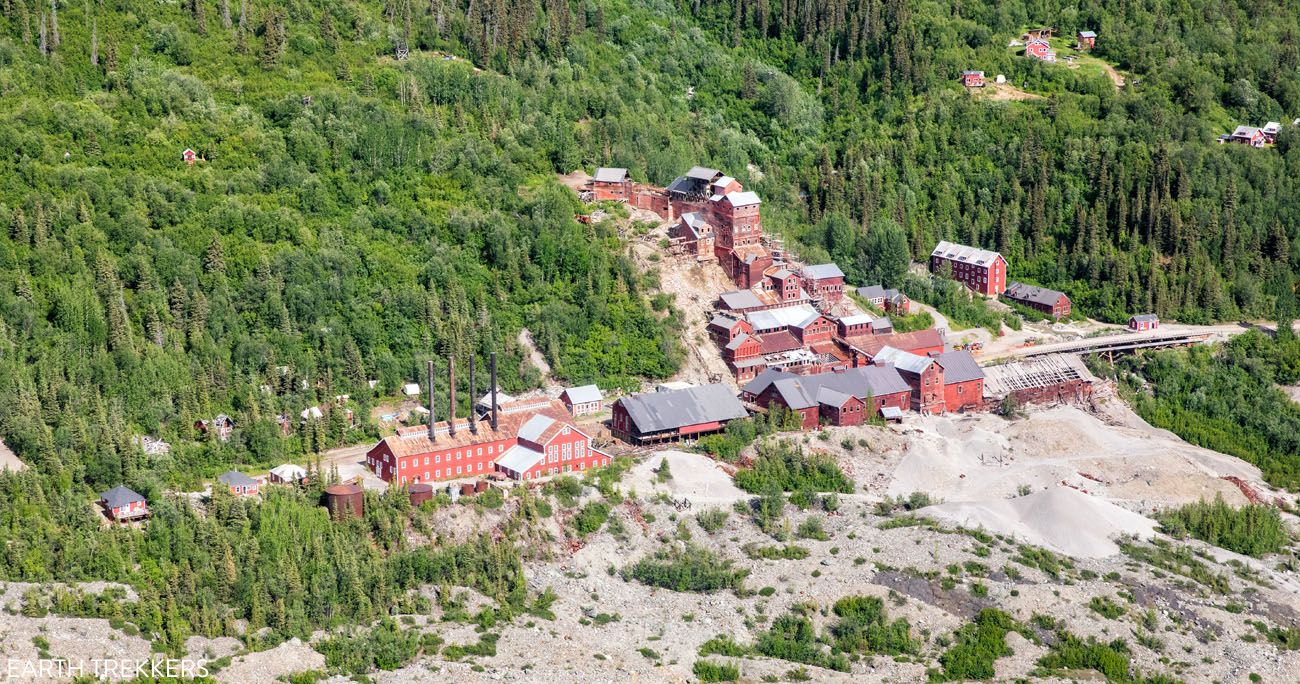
(983, 271)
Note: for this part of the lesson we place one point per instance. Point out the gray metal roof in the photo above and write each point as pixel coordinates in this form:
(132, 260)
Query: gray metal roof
(763, 380)
(723, 321)
(871, 292)
(234, 478)
(971, 255)
(1033, 293)
(659, 411)
(1087, 34)
(830, 397)
(703, 173)
(801, 391)
(584, 394)
(820, 271)
(610, 175)
(959, 366)
(119, 496)
(736, 341)
(1145, 318)
(741, 299)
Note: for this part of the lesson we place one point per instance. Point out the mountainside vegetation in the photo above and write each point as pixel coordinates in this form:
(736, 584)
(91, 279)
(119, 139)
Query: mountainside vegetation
(375, 185)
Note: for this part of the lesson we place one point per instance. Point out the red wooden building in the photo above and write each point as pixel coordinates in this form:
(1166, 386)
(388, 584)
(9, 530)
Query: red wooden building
(825, 282)
(922, 374)
(1143, 322)
(963, 381)
(1087, 40)
(545, 446)
(238, 483)
(981, 270)
(123, 505)
(654, 417)
(1051, 302)
(611, 184)
(835, 397)
(972, 79)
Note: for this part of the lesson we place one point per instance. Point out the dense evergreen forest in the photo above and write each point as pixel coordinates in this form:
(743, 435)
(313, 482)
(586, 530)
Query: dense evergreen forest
(352, 212)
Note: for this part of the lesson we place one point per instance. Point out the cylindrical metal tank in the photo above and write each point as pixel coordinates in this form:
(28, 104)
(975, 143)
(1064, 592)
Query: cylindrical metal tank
(421, 492)
(480, 486)
(344, 501)
(467, 489)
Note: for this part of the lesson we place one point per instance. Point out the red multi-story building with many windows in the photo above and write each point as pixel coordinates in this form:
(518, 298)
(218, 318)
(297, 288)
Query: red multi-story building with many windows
(474, 448)
(982, 271)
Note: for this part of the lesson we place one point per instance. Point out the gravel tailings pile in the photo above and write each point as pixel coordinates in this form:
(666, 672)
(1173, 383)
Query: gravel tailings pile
(1061, 519)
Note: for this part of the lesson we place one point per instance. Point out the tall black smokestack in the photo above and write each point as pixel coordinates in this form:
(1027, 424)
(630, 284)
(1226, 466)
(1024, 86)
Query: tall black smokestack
(494, 390)
(451, 387)
(432, 436)
(473, 418)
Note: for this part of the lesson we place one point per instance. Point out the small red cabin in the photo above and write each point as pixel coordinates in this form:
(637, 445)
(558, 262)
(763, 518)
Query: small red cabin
(972, 79)
(1087, 40)
(189, 156)
(1143, 322)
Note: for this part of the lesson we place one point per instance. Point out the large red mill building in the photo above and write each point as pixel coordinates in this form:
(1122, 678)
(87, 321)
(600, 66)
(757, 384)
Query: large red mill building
(522, 440)
(983, 271)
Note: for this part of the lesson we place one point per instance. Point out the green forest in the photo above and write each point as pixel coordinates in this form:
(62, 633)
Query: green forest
(375, 185)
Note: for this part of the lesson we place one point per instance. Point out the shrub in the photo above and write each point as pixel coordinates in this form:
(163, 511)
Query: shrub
(1253, 530)
(793, 638)
(786, 552)
(1103, 606)
(863, 628)
(811, 528)
(711, 520)
(591, 517)
(691, 568)
(708, 671)
(785, 466)
(979, 645)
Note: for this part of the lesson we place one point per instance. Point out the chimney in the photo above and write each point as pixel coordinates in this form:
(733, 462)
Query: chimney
(432, 436)
(451, 389)
(473, 418)
(494, 391)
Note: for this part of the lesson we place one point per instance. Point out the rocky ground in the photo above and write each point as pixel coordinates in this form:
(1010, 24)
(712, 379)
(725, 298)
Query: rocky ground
(1059, 479)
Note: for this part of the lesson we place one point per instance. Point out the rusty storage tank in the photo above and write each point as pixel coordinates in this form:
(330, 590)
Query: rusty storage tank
(421, 492)
(467, 489)
(344, 501)
(480, 486)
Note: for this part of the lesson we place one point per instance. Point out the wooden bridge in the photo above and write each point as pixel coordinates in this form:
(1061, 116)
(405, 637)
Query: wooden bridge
(1130, 342)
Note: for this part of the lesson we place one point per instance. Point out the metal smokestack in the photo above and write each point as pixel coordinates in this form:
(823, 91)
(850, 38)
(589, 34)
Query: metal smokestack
(473, 418)
(494, 390)
(451, 386)
(432, 436)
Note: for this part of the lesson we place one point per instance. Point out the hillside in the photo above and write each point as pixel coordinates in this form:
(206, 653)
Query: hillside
(375, 185)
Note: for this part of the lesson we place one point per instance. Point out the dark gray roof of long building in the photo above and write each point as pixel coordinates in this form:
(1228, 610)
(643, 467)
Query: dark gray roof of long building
(800, 391)
(234, 478)
(120, 496)
(959, 366)
(1033, 293)
(659, 411)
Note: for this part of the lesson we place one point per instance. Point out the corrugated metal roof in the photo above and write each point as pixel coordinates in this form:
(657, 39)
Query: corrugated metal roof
(584, 394)
(904, 360)
(610, 175)
(736, 341)
(964, 254)
(820, 271)
(520, 458)
(959, 366)
(659, 411)
(740, 299)
(1032, 293)
(871, 292)
(289, 471)
(1145, 318)
(536, 427)
(703, 173)
(743, 199)
(784, 317)
(800, 391)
